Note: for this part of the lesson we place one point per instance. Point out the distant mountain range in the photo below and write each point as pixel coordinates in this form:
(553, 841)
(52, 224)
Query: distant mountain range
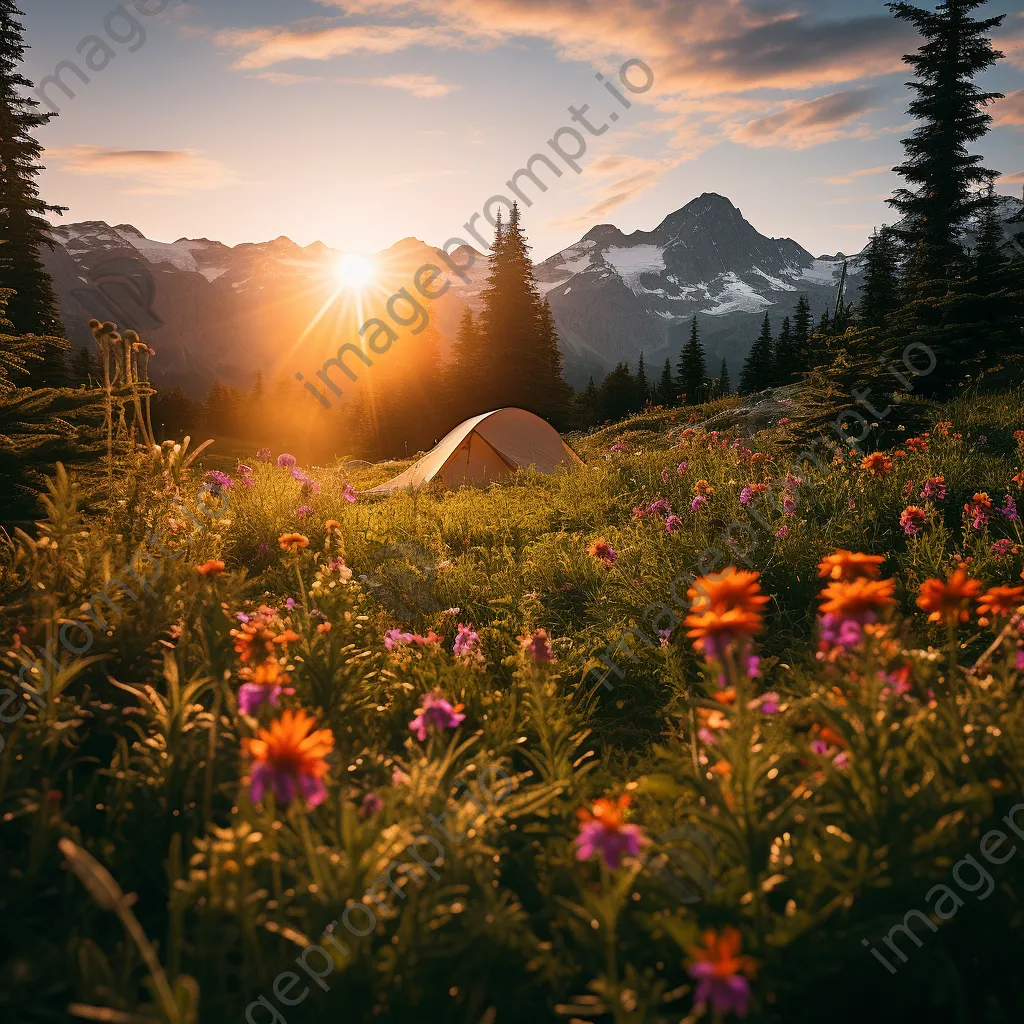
(214, 311)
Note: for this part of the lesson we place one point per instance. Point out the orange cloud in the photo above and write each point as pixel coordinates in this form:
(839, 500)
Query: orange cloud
(808, 123)
(172, 172)
(849, 176)
(1009, 110)
(424, 86)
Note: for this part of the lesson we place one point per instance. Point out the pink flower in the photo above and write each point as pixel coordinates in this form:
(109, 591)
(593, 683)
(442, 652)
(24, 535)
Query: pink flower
(538, 646)
(789, 505)
(349, 494)
(436, 713)
(782, 531)
(370, 806)
(1009, 508)
(673, 523)
(913, 519)
(264, 455)
(466, 642)
(1001, 548)
(682, 467)
(664, 476)
(746, 496)
(302, 511)
(1020, 660)
(398, 777)
(663, 635)
(395, 638)
(698, 502)
(660, 507)
(602, 832)
(286, 461)
(767, 704)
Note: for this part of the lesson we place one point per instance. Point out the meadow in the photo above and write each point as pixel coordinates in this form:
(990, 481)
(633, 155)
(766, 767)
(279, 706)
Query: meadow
(542, 750)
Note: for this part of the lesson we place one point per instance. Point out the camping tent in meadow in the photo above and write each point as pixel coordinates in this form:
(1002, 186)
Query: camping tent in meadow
(487, 448)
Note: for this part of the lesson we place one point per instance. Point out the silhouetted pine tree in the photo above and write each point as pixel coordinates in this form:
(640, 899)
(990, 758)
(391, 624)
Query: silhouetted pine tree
(617, 394)
(758, 370)
(693, 369)
(880, 292)
(23, 229)
(724, 383)
(643, 391)
(667, 386)
(803, 323)
(989, 254)
(586, 406)
(553, 394)
(949, 107)
(824, 324)
(784, 360)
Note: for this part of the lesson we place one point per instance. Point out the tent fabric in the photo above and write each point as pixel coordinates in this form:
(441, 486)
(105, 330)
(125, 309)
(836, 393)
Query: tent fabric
(487, 448)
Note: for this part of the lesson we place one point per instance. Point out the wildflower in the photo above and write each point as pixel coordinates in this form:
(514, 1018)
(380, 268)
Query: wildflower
(934, 487)
(746, 496)
(332, 524)
(349, 493)
(436, 713)
(289, 758)
(253, 639)
(602, 832)
(292, 541)
(725, 608)
(466, 642)
(710, 721)
(290, 603)
(289, 636)
(847, 606)
(947, 601)
(211, 567)
(324, 627)
(246, 474)
(792, 482)
(664, 476)
(538, 646)
(784, 421)
(850, 565)
(673, 523)
(395, 637)
(913, 519)
(664, 635)
(782, 531)
(1001, 601)
(982, 439)
(767, 704)
(286, 461)
(978, 509)
(338, 565)
(264, 455)
(1019, 435)
(617, 447)
(1001, 548)
(370, 806)
(603, 552)
(1009, 508)
(789, 505)
(302, 511)
(698, 502)
(682, 467)
(217, 482)
(718, 968)
(263, 685)
(660, 507)
(878, 464)
(1019, 479)
(703, 487)
(917, 444)
(398, 777)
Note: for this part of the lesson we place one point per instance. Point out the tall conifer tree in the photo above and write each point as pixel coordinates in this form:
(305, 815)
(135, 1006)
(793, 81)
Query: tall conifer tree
(758, 370)
(667, 386)
(693, 368)
(784, 362)
(23, 229)
(724, 383)
(880, 292)
(944, 178)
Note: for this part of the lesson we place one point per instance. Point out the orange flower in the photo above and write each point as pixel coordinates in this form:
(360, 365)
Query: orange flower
(212, 567)
(913, 519)
(1019, 435)
(292, 541)
(850, 565)
(603, 552)
(703, 487)
(332, 524)
(1019, 479)
(853, 599)
(251, 637)
(878, 464)
(1001, 601)
(724, 607)
(289, 758)
(324, 627)
(266, 673)
(289, 636)
(947, 601)
(722, 953)
(981, 500)
(917, 444)
(610, 814)
(712, 718)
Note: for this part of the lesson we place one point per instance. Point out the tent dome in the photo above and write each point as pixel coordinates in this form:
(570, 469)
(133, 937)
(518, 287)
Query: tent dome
(487, 448)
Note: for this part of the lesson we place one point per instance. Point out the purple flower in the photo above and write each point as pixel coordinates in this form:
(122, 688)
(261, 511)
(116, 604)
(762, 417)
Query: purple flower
(767, 704)
(286, 461)
(349, 494)
(1001, 548)
(286, 785)
(673, 523)
(746, 496)
(436, 713)
(682, 467)
(290, 603)
(241, 616)
(218, 481)
(396, 638)
(730, 994)
(782, 531)
(1009, 508)
(698, 502)
(753, 666)
(604, 834)
(820, 747)
(663, 635)
(842, 632)
(466, 642)
(252, 696)
(302, 511)
(370, 806)
(660, 507)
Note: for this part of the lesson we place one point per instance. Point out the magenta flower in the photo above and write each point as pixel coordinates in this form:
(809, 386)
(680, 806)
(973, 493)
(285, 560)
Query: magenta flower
(767, 704)
(370, 806)
(789, 505)
(682, 467)
(538, 646)
(720, 984)
(660, 507)
(1001, 548)
(603, 833)
(845, 633)
(1020, 660)
(663, 635)
(664, 476)
(286, 461)
(698, 502)
(1009, 508)
(218, 482)
(782, 531)
(436, 713)
(746, 496)
(349, 494)
(252, 696)
(673, 523)
(466, 642)
(246, 474)
(395, 638)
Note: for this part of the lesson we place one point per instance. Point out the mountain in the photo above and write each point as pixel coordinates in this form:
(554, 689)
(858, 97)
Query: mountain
(214, 311)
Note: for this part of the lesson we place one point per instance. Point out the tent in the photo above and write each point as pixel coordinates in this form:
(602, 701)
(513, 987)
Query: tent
(487, 448)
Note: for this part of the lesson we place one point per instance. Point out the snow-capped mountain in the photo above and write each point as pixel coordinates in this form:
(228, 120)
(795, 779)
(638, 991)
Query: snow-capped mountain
(217, 311)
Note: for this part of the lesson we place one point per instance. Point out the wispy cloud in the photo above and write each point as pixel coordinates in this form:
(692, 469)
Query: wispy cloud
(1010, 110)
(169, 172)
(810, 122)
(423, 86)
(1011, 179)
(848, 177)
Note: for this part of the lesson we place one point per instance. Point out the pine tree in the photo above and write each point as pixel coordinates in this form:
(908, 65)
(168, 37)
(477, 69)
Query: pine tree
(553, 396)
(667, 386)
(724, 383)
(824, 325)
(880, 292)
(693, 370)
(758, 370)
(802, 325)
(616, 394)
(23, 229)
(586, 406)
(643, 391)
(784, 360)
(989, 254)
(943, 177)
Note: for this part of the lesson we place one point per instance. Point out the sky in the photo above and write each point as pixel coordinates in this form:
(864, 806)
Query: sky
(360, 123)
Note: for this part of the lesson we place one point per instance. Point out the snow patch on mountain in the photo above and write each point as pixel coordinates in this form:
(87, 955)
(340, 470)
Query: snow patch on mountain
(632, 262)
(777, 283)
(737, 297)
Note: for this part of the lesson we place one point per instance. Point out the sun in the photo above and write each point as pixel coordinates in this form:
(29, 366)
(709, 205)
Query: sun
(353, 272)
